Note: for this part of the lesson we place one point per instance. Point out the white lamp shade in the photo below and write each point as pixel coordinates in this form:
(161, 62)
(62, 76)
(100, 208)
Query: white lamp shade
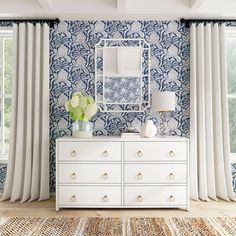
(163, 101)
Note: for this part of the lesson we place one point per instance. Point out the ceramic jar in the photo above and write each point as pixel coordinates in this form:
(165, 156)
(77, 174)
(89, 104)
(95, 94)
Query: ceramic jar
(148, 130)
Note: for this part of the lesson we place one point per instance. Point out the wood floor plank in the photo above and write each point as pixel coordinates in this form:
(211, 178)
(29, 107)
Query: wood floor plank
(47, 209)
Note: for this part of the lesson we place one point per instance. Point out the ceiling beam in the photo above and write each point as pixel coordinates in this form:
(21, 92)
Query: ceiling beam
(120, 4)
(46, 4)
(196, 3)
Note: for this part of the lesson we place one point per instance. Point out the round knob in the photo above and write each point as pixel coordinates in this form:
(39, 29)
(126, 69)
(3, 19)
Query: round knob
(73, 175)
(171, 198)
(105, 176)
(105, 198)
(139, 176)
(139, 198)
(73, 198)
(105, 154)
(139, 153)
(171, 176)
(73, 153)
(171, 154)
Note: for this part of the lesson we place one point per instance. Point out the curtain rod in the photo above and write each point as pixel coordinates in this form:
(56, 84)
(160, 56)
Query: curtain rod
(187, 22)
(51, 22)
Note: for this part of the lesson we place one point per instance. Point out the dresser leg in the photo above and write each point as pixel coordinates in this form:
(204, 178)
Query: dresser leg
(57, 208)
(184, 209)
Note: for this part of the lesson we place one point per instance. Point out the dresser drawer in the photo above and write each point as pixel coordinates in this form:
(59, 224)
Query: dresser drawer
(155, 195)
(89, 195)
(89, 173)
(155, 173)
(155, 151)
(89, 151)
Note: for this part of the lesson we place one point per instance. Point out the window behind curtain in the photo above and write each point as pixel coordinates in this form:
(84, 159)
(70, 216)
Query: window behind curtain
(6, 61)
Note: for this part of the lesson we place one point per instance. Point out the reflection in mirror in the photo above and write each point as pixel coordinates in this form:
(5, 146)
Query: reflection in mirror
(122, 61)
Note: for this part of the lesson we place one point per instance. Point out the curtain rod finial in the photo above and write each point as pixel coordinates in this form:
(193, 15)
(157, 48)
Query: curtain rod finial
(184, 21)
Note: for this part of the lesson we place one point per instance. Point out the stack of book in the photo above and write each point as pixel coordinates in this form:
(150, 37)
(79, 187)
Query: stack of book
(130, 134)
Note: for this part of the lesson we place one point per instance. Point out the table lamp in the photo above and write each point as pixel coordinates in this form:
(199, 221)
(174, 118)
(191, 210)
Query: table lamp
(163, 101)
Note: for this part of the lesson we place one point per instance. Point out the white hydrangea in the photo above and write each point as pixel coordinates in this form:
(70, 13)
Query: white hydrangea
(78, 94)
(67, 106)
(74, 102)
(90, 110)
(82, 102)
(81, 107)
(90, 100)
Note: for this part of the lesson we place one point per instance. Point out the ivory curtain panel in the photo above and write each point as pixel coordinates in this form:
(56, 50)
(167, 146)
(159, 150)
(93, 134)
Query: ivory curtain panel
(28, 165)
(210, 171)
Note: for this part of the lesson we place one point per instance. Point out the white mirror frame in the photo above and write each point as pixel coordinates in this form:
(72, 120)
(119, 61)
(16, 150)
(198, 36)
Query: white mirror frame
(100, 49)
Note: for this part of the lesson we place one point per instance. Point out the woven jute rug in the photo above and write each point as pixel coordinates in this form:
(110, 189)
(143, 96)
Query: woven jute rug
(96, 226)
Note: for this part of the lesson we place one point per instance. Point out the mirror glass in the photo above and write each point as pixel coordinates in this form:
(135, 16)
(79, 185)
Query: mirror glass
(122, 61)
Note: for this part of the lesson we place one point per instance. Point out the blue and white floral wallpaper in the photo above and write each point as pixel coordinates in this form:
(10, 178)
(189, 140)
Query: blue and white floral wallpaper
(72, 52)
(3, 171)
(72, 45)
(233, 168)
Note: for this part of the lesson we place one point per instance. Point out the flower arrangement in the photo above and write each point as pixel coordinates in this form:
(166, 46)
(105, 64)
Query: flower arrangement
(80, 107)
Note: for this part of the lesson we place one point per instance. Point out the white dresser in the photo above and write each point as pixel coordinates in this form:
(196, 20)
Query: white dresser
(111, 172)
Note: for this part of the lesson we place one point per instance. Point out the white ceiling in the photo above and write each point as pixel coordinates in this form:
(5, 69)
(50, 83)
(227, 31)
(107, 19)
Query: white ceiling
(118, 9)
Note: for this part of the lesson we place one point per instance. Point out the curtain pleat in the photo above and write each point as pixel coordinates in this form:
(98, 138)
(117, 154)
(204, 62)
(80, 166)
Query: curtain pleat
(36, 111)
(225, 115)
(44, 175)
(12, 150)
(209, 129)
(28, 165)
(17, 187)
(201, 114)
(29, 143)
(210, 166)
(193, 161)
(217, 114)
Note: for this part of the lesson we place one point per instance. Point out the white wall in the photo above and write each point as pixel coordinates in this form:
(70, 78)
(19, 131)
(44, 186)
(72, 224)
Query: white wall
(107, 9)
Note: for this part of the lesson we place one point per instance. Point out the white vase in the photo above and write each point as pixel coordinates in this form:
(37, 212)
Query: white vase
(148, 130)
(82, 129)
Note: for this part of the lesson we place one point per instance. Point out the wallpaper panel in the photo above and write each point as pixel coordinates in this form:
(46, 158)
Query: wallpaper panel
(233, 166)
(3, 170)
(72, 51)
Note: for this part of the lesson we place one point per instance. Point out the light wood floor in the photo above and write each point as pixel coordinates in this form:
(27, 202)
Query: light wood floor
(47, 209)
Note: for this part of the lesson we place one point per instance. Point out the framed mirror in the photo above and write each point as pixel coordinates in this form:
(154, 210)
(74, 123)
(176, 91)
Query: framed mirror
(122, 75)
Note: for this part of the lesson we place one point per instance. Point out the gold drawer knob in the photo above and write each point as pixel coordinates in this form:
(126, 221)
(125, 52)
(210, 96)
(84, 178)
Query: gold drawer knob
(73, 153)
(171, 176)
(105, 153)
(139, 153)
(139, 198)
(73, 198)
(73, 175)
(139, 176)
(171, 153)
(171, 198)
(105, 198)
(105, 176)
